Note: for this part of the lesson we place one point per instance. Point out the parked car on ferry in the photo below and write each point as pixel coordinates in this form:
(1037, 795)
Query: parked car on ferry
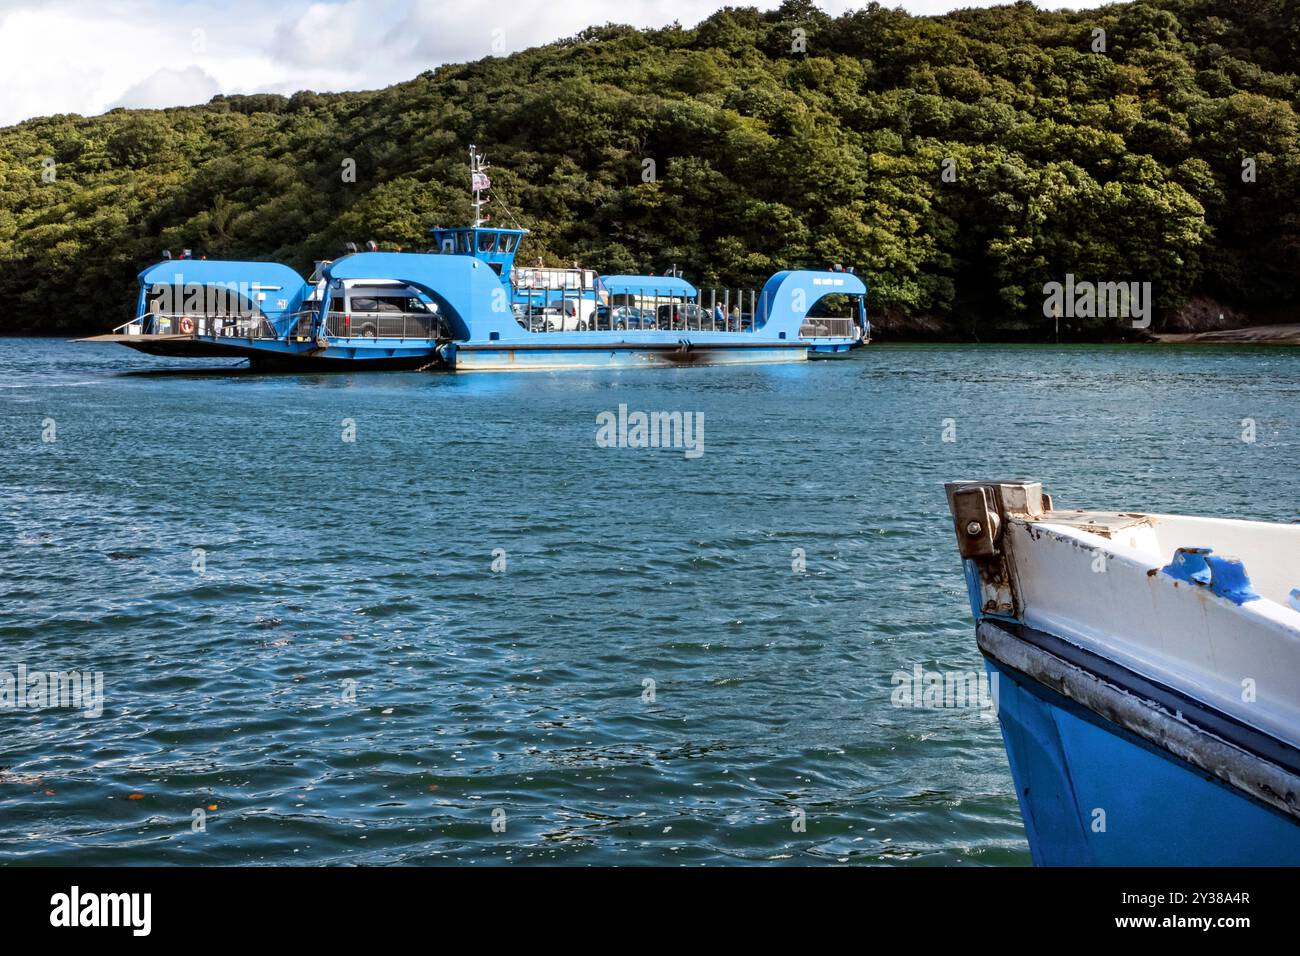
(680, 316)
(378, 309)
(567, 295)
(624, 317)
(538, 318)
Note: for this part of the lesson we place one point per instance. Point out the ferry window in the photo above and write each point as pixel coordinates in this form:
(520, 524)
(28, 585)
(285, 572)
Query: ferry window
(487, 242)
(462, 243)
(514, 243)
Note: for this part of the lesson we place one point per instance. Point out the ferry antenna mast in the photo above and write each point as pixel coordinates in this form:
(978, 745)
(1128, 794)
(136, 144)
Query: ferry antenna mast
(478, 181)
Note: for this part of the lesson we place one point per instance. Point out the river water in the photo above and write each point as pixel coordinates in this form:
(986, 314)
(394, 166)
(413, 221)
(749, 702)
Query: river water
(421, 618)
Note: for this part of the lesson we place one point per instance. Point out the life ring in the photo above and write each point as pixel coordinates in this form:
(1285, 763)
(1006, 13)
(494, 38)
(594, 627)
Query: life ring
(187, 326)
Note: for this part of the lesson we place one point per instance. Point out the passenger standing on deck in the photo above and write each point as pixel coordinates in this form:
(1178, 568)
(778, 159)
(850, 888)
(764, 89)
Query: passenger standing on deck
(719, 317)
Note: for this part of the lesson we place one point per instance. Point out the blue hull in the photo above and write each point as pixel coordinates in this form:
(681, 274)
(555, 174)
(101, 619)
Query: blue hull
(365, 353)
(833, 349)
(1068, 764)
(298, 355)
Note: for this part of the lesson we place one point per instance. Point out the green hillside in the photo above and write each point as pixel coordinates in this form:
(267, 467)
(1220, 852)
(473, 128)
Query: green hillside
(1118, 165)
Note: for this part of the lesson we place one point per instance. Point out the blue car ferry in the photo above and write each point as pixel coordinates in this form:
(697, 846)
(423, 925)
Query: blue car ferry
(464, 305)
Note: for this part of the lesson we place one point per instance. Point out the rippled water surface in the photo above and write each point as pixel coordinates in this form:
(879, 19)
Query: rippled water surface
(348, 680)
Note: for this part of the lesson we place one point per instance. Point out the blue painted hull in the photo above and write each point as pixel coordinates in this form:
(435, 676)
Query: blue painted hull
(564, 353)
(557, 351)
(1069, 763)
(297, 354)
(356, 353)
(833, 349)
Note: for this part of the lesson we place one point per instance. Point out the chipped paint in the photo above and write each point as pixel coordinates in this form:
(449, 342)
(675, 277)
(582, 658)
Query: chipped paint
(1189, 622)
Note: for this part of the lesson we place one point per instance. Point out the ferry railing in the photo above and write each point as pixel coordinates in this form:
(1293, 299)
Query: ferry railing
(304, 324)
(557, 309)
(539, 321)
(819, 328)
(718, 310)
(541, 309)
(383, 325)
(244, 326)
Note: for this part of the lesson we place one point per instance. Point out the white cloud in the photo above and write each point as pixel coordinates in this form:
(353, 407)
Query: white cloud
(86, 56)
(332, 36)
(169, 87)
(444, 32)
(77, 56)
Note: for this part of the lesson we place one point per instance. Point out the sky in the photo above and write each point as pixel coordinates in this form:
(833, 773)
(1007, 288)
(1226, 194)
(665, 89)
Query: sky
(88, 56)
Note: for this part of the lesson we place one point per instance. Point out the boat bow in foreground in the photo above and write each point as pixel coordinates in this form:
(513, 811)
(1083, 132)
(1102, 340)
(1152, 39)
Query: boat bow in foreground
(1146, 670)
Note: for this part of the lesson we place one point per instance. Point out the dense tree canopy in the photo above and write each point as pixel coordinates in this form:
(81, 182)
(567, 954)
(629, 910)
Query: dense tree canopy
(958, 162)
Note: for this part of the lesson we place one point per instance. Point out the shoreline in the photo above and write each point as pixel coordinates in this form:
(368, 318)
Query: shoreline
(1256, 335)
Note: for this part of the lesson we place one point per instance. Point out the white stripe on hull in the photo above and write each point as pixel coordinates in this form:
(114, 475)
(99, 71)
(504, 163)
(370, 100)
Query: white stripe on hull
(503, 360)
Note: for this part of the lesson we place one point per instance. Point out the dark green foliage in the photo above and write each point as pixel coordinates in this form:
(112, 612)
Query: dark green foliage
(778, 139)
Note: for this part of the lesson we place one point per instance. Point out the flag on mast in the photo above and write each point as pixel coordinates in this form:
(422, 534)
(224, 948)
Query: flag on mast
(480, 181)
